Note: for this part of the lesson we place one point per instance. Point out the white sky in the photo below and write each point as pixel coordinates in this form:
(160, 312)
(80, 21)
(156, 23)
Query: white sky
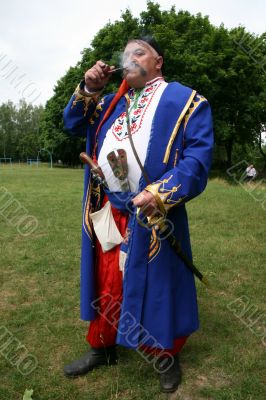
(43, 38)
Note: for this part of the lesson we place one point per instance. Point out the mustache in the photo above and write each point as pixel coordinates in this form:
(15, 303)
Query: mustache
(131, 66)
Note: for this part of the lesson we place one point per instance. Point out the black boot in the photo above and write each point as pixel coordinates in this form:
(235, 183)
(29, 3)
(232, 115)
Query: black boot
(93, 359)
(170, 373)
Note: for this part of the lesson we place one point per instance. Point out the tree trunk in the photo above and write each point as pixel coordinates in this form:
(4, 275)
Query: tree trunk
(229, 150)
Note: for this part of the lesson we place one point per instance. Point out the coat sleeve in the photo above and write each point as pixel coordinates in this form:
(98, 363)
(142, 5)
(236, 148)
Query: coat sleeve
(189, 178)
(80, 111)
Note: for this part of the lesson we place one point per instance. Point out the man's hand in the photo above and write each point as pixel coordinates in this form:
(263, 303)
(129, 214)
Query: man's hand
(97, 76)
(147, 202)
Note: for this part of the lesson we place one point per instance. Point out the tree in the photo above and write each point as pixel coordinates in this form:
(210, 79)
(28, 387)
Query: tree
(19, 130)
(7, 129)
(239, 108)
(53, 138)
(198, 54)
(27, 130)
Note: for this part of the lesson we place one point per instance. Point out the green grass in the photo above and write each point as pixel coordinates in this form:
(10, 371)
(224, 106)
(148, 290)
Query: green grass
(39, 303)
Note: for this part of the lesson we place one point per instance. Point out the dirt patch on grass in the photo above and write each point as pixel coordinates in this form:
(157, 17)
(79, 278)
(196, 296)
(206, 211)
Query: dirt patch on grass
(190, 390)
(216, 379)
(7, 300)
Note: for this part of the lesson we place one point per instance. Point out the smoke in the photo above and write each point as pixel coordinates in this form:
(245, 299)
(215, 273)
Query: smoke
(128, 65)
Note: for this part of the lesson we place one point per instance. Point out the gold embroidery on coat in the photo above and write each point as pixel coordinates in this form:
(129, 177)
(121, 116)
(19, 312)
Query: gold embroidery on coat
(176, 128)
(92, 191)
(87, 224)
(79, 97)
(155, 245)
(165, 195)
(194, 105)
(176, 156)
(97, 112)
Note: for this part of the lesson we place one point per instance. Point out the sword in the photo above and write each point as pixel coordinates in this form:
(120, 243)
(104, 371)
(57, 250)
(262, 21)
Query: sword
(160, 221)
(159, 224)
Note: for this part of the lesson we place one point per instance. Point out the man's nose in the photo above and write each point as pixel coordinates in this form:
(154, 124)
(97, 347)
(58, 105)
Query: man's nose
(131, 58)
(127, 60)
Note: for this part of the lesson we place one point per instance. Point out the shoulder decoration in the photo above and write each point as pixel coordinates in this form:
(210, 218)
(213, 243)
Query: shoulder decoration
(177, 126)
(193, 106)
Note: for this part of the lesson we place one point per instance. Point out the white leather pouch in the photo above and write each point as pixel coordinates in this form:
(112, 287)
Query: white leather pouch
(105, 228)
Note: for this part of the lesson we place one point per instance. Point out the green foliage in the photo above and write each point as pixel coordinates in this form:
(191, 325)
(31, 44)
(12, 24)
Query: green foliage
(53, 138)
(7, 129)
(211, 59)
(19, 130)
(226, 66)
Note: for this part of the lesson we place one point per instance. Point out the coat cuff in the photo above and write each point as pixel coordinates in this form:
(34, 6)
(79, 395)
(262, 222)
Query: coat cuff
(165, 194)
(80, 95)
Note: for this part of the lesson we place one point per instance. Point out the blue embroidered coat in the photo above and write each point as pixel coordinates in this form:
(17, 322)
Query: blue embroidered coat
(159, 295)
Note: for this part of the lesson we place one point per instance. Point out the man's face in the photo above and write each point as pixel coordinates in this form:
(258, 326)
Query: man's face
(142, 64)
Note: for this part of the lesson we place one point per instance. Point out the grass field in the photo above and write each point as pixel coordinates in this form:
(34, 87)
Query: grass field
(39, 303)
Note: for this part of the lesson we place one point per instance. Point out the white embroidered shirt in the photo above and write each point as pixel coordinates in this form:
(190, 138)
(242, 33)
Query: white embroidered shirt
(142, 107)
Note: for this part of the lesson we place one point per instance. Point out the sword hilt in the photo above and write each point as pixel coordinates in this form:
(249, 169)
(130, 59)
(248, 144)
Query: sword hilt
(86, 159)
(95, 168)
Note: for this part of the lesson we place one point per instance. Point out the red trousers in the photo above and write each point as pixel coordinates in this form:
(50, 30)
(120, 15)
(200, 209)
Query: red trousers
(103, 330)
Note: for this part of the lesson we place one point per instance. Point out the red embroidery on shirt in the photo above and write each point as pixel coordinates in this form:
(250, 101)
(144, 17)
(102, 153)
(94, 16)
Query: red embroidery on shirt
(119, 127)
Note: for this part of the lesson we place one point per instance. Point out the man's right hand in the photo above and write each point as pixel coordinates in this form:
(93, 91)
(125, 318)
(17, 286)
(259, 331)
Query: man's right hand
(98, 76)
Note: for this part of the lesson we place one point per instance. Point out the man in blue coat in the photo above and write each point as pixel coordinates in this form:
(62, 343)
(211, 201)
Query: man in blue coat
(135, 289)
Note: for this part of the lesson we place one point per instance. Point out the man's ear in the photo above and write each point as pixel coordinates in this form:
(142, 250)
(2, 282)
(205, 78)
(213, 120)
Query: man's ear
(159, 62)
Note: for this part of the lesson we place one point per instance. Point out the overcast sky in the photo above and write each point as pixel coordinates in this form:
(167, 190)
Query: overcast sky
(41, 39)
